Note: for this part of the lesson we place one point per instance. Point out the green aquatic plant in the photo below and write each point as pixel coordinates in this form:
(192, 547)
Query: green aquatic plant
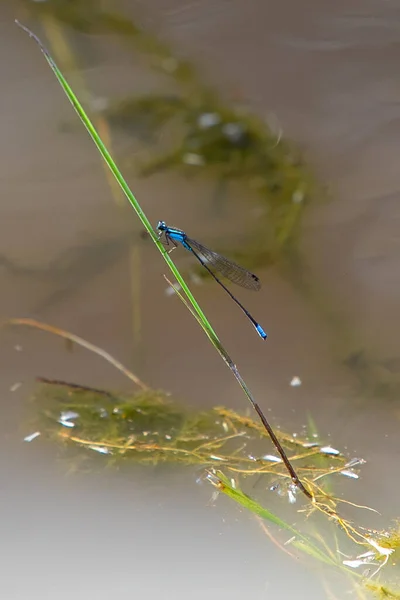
(150, 428)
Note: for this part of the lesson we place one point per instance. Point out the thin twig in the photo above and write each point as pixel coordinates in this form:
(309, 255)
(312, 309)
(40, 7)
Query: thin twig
(75, 386)
(81, 342)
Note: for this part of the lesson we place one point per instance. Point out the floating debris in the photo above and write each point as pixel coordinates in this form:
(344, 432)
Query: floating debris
(298, 196)
(296, 381)
(170, 291)
(289, 541)
(207, 120)
(355, 461)
(214, 496)
(65, 418)
(195, 160)
(272, 458)
(292, 494)
(364, 559)
(358, 562)
(329, 450)
(32, 436)
(310, 444)
(212, 478)
(351, 474)
(380, 549)
(100, 449)
(15, 386)
(235, 132)
(200, 479)
(67, 415)
(217, 457)
(66, 423)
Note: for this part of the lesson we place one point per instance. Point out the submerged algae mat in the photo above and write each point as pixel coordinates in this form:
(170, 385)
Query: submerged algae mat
(149, 427)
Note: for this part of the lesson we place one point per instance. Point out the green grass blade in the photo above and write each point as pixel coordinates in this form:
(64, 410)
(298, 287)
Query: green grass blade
(222, 483)
(119, 178)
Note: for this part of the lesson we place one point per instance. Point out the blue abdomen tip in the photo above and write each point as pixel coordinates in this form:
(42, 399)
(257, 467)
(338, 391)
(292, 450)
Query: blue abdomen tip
(261, 332)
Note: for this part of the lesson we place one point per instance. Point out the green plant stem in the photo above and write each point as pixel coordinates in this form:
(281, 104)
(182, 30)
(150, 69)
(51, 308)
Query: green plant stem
(202, 319)
(116, 172)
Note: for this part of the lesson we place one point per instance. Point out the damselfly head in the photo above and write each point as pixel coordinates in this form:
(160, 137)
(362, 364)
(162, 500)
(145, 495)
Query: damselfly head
(161, 226)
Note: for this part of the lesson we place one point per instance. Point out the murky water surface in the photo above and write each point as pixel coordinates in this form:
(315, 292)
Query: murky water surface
(329, 73)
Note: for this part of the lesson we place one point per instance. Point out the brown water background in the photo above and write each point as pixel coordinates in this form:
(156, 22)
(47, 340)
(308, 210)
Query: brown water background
(329, 72)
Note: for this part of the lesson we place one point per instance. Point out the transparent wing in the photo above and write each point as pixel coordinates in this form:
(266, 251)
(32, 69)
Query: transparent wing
(235, 273)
